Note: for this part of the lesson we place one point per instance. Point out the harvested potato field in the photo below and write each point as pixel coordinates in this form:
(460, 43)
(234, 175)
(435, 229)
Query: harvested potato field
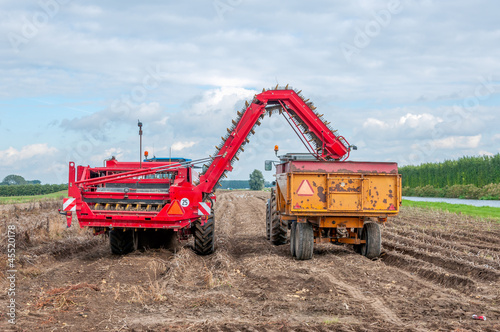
(437, 270)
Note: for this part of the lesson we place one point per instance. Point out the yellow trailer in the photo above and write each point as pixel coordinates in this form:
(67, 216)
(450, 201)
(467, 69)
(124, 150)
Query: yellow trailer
(331, 201)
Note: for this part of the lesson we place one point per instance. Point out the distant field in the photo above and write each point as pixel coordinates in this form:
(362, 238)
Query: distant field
(475, 211)
(36, 198)
(437, 270)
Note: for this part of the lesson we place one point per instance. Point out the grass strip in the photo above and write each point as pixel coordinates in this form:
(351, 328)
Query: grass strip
(35, 198)
(487, 212)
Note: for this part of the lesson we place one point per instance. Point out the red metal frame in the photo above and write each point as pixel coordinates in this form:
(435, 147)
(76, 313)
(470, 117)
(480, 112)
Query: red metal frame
(334, 148)
(181, 198)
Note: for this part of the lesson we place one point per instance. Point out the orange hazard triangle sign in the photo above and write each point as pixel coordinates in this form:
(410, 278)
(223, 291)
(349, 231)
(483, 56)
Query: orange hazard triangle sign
(175, 209)
(305, 189)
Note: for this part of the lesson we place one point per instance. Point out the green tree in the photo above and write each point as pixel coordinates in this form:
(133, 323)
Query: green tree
(256, 181)
(14, 180)
(479, 171)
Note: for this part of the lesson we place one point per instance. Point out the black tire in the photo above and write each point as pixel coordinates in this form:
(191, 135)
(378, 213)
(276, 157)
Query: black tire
(293, 228)
(121, 242)
(268, 220)
(304, 241)
(135, 240)
(373, 246)
(278, 227)
(204, 243)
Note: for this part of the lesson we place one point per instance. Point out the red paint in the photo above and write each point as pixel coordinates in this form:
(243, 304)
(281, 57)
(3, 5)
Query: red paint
(305, 189)
(337, 167)
(106, 184)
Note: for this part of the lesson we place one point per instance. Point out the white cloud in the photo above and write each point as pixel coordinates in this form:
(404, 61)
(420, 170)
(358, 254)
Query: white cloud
(406, 87)
(458, 142)
(178, 146)
(223, 98)
(120, 112)
(12, 156)
(409, 125)
(375, 123)
(486, 153)
(89, 11)
(419, 120)
(98, 159)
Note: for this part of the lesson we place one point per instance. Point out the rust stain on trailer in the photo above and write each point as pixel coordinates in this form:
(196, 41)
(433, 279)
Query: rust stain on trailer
(322, 194)
(347, 193)
(342, 187)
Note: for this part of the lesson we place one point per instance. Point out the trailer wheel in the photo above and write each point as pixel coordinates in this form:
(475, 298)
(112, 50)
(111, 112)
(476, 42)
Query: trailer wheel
(121, 242)
(278, 229)
(371, 234)
(204, 237)
(292, 237)
(304, 241)
(268, 220)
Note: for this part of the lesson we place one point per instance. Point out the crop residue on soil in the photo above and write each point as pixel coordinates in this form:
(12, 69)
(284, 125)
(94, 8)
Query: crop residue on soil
(436, 271)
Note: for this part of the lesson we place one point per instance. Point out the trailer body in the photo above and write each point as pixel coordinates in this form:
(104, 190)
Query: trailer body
(336, 199)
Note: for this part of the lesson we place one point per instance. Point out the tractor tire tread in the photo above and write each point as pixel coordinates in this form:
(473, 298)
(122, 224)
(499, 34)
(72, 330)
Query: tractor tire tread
(371, 233)
(121, 242)
(278, 229)
(304, 241)
(204, 237)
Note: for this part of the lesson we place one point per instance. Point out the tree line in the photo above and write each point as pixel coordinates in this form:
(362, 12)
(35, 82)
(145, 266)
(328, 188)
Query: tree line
(14, 180)
(255, 182)
(239, 184)
(31, 189)
(16, 185)
(478, 171)
(470, 191)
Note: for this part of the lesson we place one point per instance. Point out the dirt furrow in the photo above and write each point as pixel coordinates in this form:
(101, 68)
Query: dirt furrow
(456, 266)
(465, 247)
(485, 235)
(374, 303)
(437, 270)
(431, 272)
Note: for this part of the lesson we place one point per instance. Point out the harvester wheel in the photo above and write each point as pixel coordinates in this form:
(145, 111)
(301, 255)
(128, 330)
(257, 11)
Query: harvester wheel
(371, 234)
(304, 241)
(204, 237)
(292, 237)
(278, 228)
(135, 240)
(268, 220)
(121, 242)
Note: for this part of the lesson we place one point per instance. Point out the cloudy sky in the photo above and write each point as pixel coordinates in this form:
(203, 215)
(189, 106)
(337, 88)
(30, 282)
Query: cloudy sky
(409, 81)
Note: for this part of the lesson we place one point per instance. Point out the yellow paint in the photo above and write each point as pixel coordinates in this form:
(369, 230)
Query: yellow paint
(344, 193)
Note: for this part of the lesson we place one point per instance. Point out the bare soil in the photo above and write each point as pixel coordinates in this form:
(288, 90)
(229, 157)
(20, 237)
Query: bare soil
(436, 271)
